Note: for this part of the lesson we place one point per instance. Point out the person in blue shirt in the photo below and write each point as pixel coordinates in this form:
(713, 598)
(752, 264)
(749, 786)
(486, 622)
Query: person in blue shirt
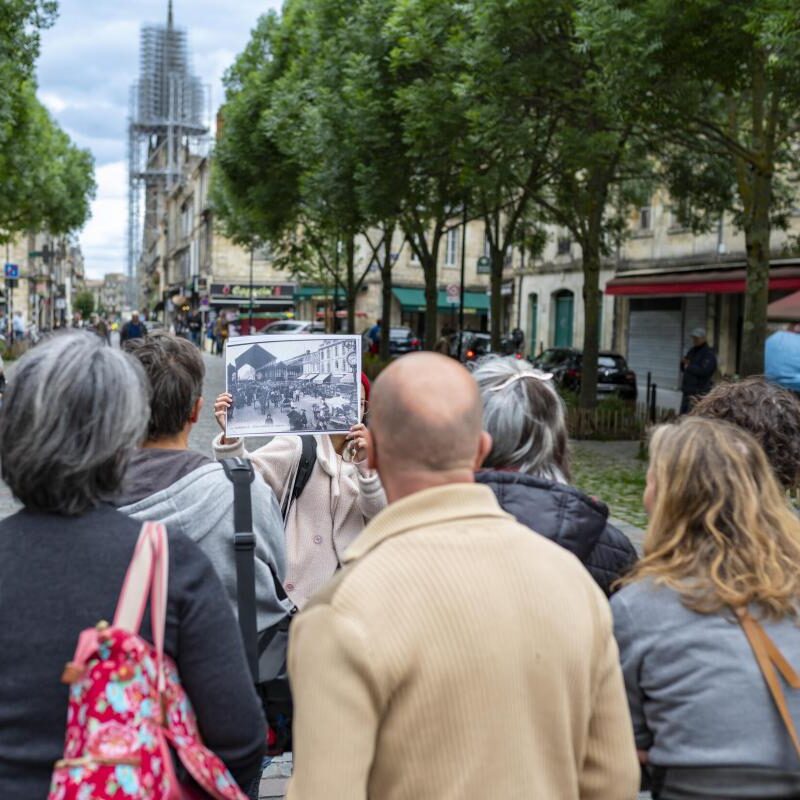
(374, 336)
(782, 358)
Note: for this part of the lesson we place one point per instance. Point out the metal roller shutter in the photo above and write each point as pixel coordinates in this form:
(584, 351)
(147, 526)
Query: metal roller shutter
(694, 316)
(654, 340)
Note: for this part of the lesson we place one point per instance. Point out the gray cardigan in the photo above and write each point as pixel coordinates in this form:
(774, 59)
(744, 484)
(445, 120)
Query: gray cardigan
(696, 695)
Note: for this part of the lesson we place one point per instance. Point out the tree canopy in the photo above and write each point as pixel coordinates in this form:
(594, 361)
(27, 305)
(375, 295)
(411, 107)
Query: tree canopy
(362, 120)
(46, 182)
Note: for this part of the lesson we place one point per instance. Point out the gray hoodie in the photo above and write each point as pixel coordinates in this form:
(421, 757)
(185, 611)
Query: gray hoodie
(191, 494)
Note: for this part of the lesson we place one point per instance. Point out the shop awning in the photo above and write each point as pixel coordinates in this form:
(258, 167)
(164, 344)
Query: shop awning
(318, 293)
(787, 309)
(699, 281)
(322, 378)
(414, 300)
(309, 376)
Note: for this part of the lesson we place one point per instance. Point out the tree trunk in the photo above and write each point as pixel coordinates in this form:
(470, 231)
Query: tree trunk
(431, 303)
(757, 235)
(386, 304)
(496, 298)
(591, 320)
(350, 246)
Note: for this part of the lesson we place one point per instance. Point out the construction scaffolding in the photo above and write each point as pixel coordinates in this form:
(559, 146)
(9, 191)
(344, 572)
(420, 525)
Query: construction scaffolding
(168, 121)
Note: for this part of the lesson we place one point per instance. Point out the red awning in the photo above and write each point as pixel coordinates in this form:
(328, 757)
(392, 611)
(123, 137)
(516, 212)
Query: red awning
(787, 309)
(718, 281)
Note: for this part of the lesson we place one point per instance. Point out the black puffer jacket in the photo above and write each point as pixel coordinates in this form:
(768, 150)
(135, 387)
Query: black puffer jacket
(569, 518)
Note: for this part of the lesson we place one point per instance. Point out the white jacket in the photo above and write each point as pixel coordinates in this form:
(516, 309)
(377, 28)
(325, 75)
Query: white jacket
(337, 502)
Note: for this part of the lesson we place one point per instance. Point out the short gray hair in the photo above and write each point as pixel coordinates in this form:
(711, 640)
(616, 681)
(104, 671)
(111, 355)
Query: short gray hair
(525, 417)
(73, 413)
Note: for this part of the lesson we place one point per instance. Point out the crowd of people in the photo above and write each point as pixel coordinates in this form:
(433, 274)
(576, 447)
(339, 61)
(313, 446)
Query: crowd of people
(465, 623)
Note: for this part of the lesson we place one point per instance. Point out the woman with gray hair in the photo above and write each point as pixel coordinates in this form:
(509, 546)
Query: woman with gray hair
(528, 468)
(71, 418)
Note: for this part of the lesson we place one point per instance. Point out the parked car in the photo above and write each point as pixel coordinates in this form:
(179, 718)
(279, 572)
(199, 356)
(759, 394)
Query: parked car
(477, 344)
(402, 340)
(474, 345)
(285, 326)
(613, 374)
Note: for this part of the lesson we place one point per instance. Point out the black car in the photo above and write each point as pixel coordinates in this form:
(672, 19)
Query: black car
(402, 340)
(613, 375)
(474, 345)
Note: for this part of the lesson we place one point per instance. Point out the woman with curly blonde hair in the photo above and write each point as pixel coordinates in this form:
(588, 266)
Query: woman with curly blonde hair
(722, 542)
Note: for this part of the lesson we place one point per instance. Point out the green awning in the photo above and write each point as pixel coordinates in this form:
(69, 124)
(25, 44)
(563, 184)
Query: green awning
(414, 300)
(317, 293)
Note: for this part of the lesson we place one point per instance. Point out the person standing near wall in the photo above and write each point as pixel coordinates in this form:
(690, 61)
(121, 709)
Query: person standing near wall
(698, 367)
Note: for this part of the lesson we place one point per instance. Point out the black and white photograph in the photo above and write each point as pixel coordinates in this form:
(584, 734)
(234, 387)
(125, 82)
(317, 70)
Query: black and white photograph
(293, 384)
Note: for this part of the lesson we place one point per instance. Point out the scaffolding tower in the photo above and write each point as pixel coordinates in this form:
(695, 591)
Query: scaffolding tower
(168, 121)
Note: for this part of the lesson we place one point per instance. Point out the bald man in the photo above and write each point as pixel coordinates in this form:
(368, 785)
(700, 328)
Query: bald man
(455, 655)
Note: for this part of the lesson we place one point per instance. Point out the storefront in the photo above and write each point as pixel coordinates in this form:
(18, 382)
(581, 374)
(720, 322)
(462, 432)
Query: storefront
(657, 311)
(412, 307)
(268, 301)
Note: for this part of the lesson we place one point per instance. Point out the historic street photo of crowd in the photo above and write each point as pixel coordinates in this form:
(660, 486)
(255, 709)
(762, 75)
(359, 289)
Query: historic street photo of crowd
(293, 384)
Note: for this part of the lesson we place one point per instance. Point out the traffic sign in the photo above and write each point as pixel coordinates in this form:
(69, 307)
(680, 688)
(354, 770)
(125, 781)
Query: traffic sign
(12, 271)
(453, 294)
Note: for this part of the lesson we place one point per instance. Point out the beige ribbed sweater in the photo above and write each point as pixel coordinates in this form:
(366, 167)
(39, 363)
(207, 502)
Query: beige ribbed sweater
(458, 656)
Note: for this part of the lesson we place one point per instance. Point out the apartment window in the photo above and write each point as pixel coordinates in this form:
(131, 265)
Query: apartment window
(451, 248)
(487, 248)
(563, 245)
(645, 218)
(678, 215)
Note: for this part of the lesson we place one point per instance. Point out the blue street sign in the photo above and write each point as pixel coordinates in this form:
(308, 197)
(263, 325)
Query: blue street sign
(12, 271)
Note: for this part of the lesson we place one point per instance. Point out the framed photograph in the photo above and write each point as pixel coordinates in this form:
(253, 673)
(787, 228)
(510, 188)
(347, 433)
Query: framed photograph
(298, 384)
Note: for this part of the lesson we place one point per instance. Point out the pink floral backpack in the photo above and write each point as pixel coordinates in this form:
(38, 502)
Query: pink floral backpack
(127, 706)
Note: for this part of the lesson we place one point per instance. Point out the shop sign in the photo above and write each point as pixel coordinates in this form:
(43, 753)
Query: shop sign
(261, 291)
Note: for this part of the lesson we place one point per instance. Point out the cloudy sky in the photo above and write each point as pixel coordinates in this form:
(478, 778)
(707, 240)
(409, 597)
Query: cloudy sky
(88, 62)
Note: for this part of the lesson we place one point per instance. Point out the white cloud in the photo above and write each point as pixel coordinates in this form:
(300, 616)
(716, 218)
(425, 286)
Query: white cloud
(104, 239)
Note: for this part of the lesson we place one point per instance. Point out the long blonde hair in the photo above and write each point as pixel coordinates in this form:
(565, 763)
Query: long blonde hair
(721, 532)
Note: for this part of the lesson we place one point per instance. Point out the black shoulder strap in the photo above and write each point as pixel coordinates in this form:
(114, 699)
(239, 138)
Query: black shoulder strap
(240, 473)
(308, 458)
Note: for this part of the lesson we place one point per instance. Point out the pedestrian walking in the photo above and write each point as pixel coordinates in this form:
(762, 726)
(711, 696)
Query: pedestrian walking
(187, 491)
(437, 664)
(720, 564)
(698, 367)
(133, 329)
(63, 559)
(767, 412)
(18, 326)
(341, 495)
(528, 468)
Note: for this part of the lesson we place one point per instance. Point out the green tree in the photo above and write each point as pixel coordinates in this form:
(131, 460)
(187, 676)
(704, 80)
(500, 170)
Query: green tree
(516, 58)
(718, 79)
(84, 302)
(426, 59)
(46, 182)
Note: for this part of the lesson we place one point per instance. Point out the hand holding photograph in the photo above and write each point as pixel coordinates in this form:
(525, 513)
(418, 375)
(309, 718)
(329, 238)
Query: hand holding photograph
(301, 384)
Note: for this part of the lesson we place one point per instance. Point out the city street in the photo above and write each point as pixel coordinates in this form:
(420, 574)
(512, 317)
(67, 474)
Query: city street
(277, 415)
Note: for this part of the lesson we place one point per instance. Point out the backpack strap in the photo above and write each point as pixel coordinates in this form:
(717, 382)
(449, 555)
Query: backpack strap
(240, 472)
(305, 466)
(147, 574)
(768, 657)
